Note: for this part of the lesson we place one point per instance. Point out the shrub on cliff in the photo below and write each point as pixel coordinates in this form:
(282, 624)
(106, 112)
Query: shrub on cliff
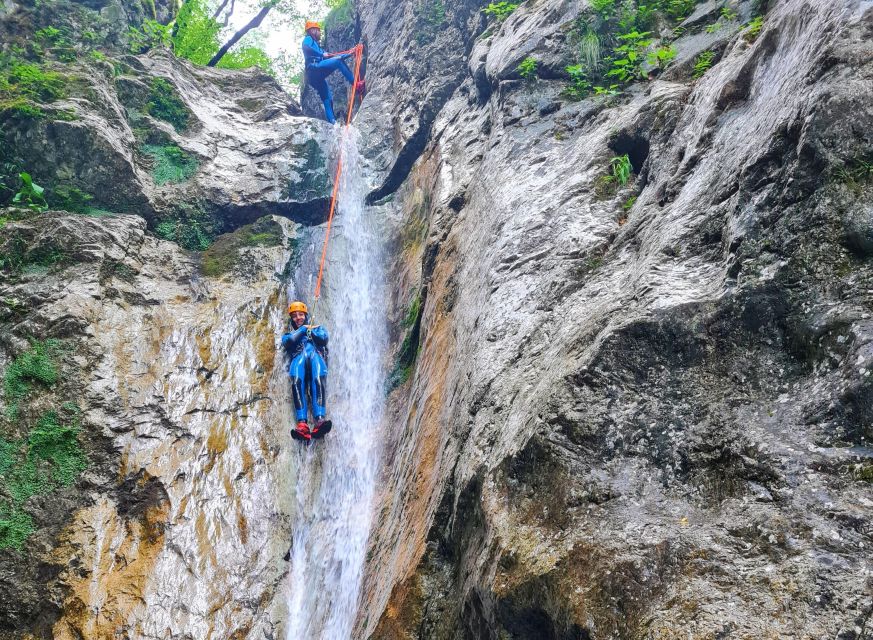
(340, 15)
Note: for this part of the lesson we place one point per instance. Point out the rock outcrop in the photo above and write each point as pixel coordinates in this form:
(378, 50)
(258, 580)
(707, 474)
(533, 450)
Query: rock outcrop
(634, 412)
(144, 396)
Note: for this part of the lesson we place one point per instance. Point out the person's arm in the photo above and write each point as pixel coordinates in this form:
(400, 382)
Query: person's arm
(292, 338)
(319, 336)
(311, 49)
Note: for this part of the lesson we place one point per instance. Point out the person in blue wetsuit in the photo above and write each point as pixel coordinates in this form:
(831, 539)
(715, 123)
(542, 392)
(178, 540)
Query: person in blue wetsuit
(319, 65)
(306, 345)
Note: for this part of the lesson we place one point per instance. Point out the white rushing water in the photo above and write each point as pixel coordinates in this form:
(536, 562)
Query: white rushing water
(336, 476)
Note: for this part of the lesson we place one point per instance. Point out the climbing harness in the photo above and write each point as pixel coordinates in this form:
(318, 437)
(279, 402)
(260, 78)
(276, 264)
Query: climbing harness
(357, 51)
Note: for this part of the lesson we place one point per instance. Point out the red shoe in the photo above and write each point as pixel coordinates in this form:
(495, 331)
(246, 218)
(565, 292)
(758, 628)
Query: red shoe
(322, 428)
(361, 88)
(301, 432)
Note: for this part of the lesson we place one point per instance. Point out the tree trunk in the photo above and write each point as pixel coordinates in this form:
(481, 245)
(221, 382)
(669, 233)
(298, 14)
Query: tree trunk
(254, 22)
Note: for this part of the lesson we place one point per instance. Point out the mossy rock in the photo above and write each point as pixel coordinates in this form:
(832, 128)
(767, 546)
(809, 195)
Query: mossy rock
(224, 254)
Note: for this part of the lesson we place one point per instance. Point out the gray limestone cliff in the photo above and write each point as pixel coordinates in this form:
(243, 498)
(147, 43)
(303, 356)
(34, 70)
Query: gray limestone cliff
(632, 412)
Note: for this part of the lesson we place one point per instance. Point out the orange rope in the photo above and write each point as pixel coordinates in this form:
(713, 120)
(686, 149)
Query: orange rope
(358, 51)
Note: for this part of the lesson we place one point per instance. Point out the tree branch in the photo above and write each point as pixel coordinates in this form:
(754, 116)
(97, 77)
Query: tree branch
(220, 9)
(253, 23)
(229, 12)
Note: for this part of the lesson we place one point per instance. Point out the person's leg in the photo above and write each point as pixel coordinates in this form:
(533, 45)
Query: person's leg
(318, 386)
(297, 371)
(318, 81)
(329, 65)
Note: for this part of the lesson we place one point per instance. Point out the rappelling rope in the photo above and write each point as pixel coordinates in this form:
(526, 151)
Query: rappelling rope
(358, 51)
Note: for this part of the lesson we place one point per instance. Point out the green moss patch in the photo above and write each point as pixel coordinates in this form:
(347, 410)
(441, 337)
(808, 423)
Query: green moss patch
(171, 164)
(26, 85)
(49, 457)
(18, 256)
(221, 257)
(164, 103)
(36, 365)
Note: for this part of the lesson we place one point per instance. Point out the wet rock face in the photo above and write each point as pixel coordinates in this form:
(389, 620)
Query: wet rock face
(180, 399)
(640, 412)
(157, 137)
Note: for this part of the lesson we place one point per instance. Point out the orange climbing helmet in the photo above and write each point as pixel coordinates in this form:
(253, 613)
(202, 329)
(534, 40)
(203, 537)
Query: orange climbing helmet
(312, 24)
(297, 306)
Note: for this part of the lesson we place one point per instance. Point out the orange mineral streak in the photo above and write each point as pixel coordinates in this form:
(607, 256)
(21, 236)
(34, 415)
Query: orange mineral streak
(427, 419)
(117, 555)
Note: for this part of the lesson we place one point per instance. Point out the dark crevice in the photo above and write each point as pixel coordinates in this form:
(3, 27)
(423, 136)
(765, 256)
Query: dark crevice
(635, 146)
(310, 213)
(415, 145)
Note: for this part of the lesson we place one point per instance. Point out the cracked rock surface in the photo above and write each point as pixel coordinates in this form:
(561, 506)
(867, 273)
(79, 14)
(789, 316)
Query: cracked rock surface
(636, 413)
(174, 531)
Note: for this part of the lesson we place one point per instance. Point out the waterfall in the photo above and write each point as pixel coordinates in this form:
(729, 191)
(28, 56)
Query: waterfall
(336, 476)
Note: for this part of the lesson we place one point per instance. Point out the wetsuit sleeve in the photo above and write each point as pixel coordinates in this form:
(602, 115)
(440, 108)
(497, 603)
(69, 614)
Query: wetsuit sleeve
(291, 339)
(319, 336)
(312, 52)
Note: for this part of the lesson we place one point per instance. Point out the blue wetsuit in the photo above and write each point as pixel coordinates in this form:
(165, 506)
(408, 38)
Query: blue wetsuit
(308, 354)
(318, 68)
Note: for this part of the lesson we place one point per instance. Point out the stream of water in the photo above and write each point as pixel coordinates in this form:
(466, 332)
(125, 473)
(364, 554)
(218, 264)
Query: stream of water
(336, 476)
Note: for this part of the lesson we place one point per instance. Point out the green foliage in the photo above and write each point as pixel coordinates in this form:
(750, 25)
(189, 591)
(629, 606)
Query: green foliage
(164, 103)
(151, 35)
(589, 51)
(407, 354)
(628, 66)
(49, 36)
(613, 42)
(677, 9)
(413, 311)
(430, 15)
(578, 87)
(500, 11)
(527, 69)
(703, 63)
(753, 29)
(603, 8)
(30, 195)
(189, 234)
(661, 57)
(24, 84)
(197, 37)
(20, 108)
(621, 169)
(728, 14)
(629, 203)
(171, 164)
(36, 365)
(611, 90)
(855, 172)
(340, 14)
(247, 57)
